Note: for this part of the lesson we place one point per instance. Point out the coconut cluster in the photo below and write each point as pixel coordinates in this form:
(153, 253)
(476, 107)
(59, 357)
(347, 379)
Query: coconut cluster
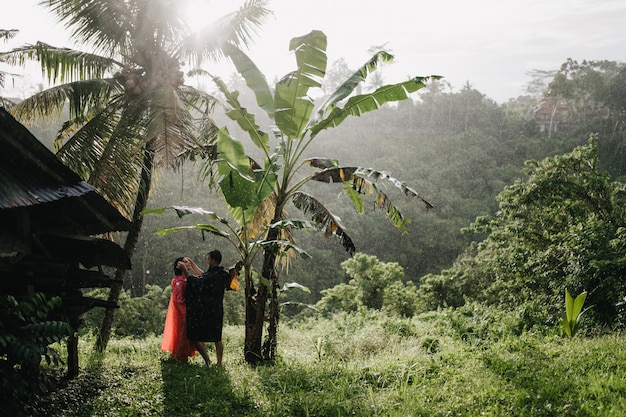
(157, 70)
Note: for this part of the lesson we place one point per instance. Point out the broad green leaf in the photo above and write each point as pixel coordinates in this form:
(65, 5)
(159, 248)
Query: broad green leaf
(345, 89)
(292, 104)
(323, 163)
(364, 103)
(202, 227)
(245, 120)
(237, 186)
(569, 306)
(280, 247)
(243, 188)
(355, 197)
(292, 223)
(326, 221)
(578, 304)
(254, 78)
(180, 211)
(290, 285)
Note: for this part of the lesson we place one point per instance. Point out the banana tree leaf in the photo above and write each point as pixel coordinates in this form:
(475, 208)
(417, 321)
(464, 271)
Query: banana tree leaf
(245, 120)
(280, 247)
(345, 89)
(254, 78)
(234, 167)
(355, 197)
(180, 211)
(327, 222)
(364, 103)
(286, 303)
(243, 184)
(335, 174)
(202, 227)
(344, 174)
(290, 285)
(293, 106)
(293, 224)
(323, 163)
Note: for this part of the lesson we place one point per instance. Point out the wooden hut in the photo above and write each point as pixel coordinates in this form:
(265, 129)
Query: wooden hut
(52, 225)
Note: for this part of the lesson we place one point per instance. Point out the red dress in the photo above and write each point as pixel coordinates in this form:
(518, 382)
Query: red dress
(175, 332)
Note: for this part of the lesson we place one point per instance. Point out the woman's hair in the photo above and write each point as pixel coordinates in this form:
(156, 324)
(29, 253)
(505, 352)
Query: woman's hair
(177, 270)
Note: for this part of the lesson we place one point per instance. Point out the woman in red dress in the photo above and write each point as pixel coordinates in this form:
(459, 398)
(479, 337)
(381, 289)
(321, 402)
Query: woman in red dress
(175, 338)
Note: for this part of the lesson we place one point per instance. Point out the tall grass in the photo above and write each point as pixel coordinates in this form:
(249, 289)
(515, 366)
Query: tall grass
(361, 364)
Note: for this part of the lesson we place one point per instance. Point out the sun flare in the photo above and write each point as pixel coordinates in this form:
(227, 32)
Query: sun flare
(199, 13)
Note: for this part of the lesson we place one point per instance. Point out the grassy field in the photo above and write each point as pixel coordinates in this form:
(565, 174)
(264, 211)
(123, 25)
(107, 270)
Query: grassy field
(357, 365)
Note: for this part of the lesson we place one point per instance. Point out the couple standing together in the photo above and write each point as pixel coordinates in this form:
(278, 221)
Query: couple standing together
(195, 314)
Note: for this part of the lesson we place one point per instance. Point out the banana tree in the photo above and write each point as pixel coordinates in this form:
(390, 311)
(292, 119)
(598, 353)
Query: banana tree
(129, 107)
(259, 194)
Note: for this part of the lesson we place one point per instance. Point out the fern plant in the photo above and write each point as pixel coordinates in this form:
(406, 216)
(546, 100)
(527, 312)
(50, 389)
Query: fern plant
(26, 334)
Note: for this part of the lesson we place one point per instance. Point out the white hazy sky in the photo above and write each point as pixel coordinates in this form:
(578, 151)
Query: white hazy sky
(492, 44)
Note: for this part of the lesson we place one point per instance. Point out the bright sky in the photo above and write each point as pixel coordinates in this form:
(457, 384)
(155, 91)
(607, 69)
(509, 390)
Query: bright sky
(492, 44)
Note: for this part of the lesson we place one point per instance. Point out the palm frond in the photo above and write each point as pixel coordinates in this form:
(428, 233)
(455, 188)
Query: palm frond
(321, 216)
(108, 25)
(81, 98)
(80, 144)
(7, 34)
(236, 28)
(168, 125)
(61, 64)
(201, 102)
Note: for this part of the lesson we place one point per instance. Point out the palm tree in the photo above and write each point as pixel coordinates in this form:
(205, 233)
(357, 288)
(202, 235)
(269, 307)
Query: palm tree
(6, 34)
(258, 195)
(129, 109)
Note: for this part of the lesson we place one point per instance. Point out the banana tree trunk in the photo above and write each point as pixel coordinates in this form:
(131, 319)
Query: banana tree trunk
(129, 248)
(269, 347)
(255, 308)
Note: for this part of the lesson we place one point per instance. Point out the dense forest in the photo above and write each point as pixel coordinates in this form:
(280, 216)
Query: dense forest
(459, 149)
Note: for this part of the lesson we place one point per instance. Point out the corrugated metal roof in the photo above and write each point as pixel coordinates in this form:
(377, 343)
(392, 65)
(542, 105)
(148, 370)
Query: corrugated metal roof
(32, 177)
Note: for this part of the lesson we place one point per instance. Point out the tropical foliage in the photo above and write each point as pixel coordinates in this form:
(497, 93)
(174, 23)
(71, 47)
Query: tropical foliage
(27, 329)
(129, 107)
(573, 310)
(373, 285)
(258, 194)
(561, 228)
(5, 34)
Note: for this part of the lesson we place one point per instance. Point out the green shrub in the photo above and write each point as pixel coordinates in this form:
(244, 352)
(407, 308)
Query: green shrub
(400, 299)
(26, 334)
(137, 317)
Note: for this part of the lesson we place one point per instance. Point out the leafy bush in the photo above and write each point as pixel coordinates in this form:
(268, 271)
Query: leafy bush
(25, 336)
(137, 317)
(375, 285)
(476, 323)
(561, 228)
(400, 299)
